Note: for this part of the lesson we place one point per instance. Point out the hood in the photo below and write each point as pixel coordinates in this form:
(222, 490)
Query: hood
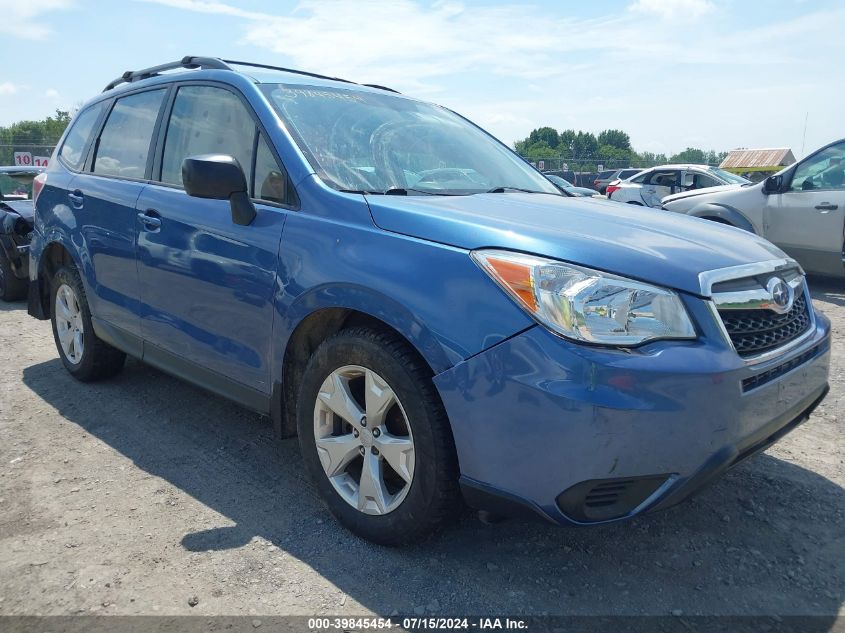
(23, 208)
(660, 247)
(703, 192)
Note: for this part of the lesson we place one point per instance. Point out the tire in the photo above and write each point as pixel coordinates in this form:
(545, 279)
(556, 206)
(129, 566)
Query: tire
(11, 288)
(716, 220)
(405, 511)
(98, 359)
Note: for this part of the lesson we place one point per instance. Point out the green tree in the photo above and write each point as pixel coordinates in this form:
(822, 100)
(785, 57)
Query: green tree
(547, 135)
(615, 138)
(585, 145)
(690, 155)
(36, 137)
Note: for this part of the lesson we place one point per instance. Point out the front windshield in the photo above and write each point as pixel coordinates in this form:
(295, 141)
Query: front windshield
(374, 143)
(729, 177)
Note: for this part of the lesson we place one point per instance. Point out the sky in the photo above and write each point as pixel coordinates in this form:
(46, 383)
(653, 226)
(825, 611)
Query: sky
(712, 74)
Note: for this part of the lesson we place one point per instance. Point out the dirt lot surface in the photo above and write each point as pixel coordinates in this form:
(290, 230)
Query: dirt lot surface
(144, 495)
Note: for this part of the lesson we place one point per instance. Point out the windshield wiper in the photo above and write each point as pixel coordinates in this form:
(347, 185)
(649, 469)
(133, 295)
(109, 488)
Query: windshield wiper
(403, 191)
(361, 191)
(504, 189)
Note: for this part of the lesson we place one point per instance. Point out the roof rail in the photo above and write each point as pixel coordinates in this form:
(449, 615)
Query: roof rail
(188, 61)
(382, 88)
(306, 73)
(286, 70)
(204, 63)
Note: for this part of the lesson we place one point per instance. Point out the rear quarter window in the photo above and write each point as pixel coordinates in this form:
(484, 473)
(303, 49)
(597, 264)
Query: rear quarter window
(73, 149)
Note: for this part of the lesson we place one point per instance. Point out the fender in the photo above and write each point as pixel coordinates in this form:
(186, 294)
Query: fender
(724, 212)
(37, 288)
(371, 303)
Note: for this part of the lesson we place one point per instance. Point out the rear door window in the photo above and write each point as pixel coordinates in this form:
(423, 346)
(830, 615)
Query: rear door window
(207, 120)
(124, 145)
(77, 139)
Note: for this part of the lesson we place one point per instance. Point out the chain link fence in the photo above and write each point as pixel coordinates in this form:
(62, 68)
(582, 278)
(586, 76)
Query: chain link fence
(23, 154)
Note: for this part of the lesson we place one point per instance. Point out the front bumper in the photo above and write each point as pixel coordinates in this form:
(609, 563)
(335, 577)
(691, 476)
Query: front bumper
(560, 428)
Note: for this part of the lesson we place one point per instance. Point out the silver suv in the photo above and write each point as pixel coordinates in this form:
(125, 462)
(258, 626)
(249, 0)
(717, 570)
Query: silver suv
(801, 209)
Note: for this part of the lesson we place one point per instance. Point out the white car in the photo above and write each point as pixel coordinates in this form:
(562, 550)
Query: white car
(649, 187)
(801, 209)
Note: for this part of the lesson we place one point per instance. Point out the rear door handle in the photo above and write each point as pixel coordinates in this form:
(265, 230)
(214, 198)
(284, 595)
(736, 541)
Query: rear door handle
(76, 198)
(150, 219)
(826, 206)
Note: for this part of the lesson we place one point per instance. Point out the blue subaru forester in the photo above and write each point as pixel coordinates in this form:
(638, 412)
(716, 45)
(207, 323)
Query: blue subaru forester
(425, 311)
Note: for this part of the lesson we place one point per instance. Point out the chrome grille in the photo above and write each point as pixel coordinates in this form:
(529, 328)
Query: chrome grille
(757, 331)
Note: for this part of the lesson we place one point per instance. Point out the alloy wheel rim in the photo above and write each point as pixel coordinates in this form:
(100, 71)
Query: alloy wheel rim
(364, 440)
(69, 325)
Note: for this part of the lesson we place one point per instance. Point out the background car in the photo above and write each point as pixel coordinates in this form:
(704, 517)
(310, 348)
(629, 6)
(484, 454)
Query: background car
(568, 188)
(801, 209)
(606, 177)
(649, 187)
(16, 212)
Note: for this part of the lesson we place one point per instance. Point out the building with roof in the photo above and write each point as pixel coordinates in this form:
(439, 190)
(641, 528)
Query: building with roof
(757, 162)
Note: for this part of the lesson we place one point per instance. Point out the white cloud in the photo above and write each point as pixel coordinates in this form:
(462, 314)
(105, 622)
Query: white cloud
(203, 6)
(8, 88)
(407, 43)
(25, 18)
(51, 93)
(515, 66)
(673, 9)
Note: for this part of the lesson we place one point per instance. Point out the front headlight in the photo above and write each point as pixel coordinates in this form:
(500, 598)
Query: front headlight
(587, 305)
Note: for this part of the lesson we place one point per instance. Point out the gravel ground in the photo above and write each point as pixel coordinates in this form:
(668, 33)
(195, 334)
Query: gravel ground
(145, 495)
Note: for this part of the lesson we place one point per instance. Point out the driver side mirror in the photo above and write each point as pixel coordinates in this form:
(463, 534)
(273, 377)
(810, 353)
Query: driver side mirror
(772, 184)
(219, 177)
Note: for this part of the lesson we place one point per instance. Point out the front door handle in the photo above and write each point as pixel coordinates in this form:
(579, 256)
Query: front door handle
(150, 219)
(76, 198)
(826, 206)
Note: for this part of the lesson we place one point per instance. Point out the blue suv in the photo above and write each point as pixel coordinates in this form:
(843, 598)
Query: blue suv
(425, 311)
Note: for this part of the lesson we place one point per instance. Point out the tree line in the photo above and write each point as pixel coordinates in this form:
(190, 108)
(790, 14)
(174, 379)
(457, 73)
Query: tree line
(584, 151)
(36, 137)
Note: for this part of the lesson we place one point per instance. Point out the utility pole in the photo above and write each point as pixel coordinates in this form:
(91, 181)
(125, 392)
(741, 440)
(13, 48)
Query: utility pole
(804, 138)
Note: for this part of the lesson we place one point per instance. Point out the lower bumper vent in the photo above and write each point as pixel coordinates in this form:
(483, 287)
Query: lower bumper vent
(604, 499)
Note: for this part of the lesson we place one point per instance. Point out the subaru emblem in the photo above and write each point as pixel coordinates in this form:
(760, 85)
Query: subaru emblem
(781, 295)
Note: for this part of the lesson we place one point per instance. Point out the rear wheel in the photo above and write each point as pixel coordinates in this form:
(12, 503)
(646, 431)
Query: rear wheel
(83, 353)
(11, 288)
(375, 438)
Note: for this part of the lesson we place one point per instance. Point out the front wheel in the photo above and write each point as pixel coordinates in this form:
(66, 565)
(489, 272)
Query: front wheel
(375, 438)
(83, 353)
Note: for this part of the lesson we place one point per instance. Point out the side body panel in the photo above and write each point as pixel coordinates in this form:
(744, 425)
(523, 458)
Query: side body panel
(207, 284)
(809, 226)
(104, 211)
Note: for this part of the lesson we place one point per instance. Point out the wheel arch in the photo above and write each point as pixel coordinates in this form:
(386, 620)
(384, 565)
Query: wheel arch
(52, 258)
(325, 319)
(724, 214)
